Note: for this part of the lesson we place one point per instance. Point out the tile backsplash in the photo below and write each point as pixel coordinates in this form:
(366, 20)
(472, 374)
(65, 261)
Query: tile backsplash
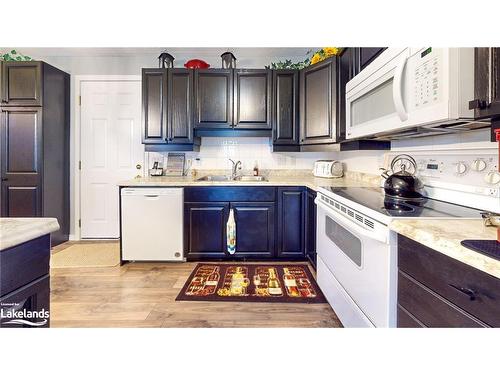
(215, 153)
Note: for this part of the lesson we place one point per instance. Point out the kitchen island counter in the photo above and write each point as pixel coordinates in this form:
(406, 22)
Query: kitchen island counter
(445, 235)
(15, 231)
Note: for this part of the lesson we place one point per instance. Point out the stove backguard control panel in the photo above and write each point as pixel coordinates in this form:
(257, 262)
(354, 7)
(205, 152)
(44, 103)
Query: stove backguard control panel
(471, 173)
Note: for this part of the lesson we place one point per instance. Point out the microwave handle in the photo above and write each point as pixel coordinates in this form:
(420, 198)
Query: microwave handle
(397, 89)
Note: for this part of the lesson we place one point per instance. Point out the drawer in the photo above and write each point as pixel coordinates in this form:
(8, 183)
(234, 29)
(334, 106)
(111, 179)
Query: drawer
(21, 264)
(230, 194)
(32, 297)
(430, 308)
(406, 320)
(452, 280)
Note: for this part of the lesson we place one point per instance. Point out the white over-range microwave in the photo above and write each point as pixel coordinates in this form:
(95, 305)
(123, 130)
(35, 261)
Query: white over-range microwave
(410, 87)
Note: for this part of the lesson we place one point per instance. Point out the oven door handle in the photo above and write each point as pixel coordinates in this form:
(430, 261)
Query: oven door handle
(352, 226)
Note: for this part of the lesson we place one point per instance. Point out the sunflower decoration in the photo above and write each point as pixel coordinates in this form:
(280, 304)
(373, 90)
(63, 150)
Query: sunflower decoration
(324, 53)
(318, 56)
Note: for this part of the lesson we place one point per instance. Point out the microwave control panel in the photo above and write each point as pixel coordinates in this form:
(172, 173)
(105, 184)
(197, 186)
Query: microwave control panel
(426, 71)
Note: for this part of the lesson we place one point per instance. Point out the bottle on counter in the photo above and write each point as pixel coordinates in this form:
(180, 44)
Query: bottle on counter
(255, 169)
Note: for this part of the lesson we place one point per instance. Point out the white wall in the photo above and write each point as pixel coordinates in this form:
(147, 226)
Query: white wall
(215, 154)
(469, 141)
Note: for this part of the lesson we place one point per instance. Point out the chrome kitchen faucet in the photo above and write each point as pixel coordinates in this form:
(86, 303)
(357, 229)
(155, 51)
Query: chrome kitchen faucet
(234, 170)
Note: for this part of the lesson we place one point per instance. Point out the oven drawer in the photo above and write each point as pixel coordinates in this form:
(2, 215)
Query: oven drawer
(452, 280)
(430, 308)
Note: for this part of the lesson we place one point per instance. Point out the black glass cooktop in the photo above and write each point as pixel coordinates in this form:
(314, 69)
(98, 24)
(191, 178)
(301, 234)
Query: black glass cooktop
(375, 199)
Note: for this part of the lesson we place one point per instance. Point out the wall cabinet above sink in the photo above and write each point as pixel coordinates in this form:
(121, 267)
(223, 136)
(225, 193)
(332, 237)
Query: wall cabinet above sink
(232, 102)
(167, 110)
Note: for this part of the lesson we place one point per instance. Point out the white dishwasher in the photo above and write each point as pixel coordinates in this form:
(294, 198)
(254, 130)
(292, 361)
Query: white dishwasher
(152, 224)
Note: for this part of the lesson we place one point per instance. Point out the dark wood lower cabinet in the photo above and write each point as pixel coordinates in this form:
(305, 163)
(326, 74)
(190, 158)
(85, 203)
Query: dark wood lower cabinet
(25, 282)
(254, 229)
(205, 229)
(310, 227)
(438, 291)
(291, 218)
(269, 222)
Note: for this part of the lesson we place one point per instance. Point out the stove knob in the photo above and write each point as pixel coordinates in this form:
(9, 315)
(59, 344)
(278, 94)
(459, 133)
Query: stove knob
(479, 165)
(492, 177)
(460, 168)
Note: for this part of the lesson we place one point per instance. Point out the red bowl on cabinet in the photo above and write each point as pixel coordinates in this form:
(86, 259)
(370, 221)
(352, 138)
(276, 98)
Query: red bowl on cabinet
(196, 64)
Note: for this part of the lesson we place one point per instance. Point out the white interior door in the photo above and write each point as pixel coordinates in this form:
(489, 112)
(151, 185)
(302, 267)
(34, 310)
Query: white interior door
(111, 147)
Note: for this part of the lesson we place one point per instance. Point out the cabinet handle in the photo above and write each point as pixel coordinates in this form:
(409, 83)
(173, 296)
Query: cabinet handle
(478, 104)
(471, 293)
(5, 179)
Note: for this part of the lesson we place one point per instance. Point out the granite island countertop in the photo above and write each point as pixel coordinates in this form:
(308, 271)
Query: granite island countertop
(14, 231)
(445, 235)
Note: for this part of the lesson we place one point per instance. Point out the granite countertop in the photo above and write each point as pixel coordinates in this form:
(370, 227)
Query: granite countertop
(14, 231)
(279, 179)
(445, 235)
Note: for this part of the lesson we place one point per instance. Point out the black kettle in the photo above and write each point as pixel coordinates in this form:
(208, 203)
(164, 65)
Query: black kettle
(401, 183)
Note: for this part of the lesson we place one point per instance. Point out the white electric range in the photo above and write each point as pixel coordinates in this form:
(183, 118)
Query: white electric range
(357, 252)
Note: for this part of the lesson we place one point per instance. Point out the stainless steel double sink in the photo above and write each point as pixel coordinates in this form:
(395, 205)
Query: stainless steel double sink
(229, 178)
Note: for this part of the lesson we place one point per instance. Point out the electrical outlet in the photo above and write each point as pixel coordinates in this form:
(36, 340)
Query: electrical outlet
(493, 192)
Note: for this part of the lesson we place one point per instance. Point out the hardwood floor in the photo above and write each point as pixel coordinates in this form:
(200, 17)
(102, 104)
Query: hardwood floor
(143, 295)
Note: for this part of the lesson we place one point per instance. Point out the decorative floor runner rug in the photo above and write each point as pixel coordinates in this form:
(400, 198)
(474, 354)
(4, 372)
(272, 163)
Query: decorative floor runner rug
(244, 282)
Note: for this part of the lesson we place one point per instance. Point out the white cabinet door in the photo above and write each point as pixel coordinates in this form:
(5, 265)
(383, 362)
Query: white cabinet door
(111, 147)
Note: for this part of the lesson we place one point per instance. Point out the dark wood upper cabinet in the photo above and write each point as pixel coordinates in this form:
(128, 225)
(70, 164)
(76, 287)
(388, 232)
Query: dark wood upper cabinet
(252, 98)
(180, 105)
(367, 55)
(285, 107)
(318, 97)
(21, 83)
(154, 106)
(21, 134)
(213, 98)
(486, 103)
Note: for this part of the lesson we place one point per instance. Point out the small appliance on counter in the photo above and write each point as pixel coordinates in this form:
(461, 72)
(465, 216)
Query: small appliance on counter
(328, 169)
(402, 183)
(157, 170)
(175, 164)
